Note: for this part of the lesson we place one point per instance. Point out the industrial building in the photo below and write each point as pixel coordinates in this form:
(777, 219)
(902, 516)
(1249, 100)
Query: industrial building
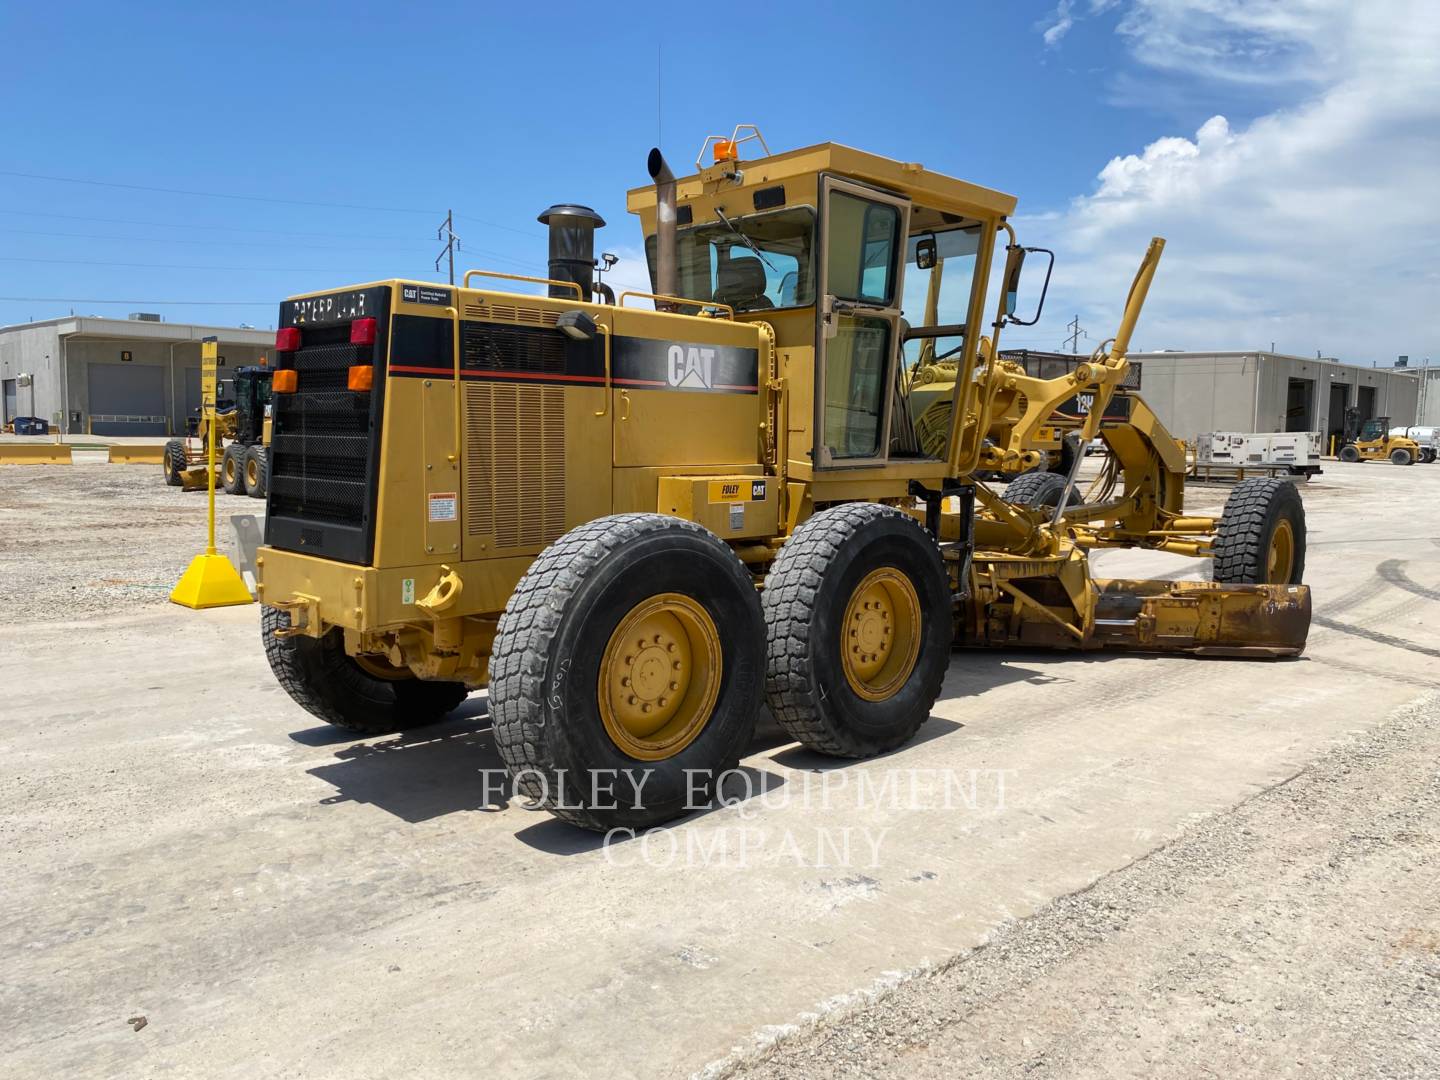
(1427, 413)
(1196, 392)
(135, 376)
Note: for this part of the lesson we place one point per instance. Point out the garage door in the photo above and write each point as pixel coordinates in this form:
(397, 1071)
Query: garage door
(127, 399)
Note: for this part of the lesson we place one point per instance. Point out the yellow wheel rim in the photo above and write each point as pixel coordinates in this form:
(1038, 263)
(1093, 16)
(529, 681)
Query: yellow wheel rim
(1281, 562)
(229, 469)
(660, 677)
(880, 636)
(382, 669)
(252, 473)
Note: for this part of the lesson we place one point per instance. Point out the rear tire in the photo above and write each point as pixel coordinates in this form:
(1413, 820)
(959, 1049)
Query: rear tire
(1401, 456)
(605, 735)
(1349, 453)
(867, 578)
(1038, 489)
(1261, 538)
(175, 462)
(232, 470)
(257, 471)
(331, 686)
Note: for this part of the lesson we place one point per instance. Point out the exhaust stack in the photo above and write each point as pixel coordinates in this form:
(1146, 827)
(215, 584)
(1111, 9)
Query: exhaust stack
(572, 247)
(667, 275)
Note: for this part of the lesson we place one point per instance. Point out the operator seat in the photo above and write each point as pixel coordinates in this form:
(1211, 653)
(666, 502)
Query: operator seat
(740, 282)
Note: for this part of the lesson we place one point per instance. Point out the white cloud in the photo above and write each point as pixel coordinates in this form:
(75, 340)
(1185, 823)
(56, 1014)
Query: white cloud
(1061, 26)
(1314, 226)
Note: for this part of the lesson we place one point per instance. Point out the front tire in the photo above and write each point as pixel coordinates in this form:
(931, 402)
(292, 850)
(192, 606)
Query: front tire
(232, 470)
(332, 686)
(257, 468)
(175, 462)
(1261, 538)
(859, 618)
(627, 671)
(1038, 489)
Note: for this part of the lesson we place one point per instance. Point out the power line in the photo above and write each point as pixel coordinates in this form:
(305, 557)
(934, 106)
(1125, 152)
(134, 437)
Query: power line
(217, 194)
(182, 266)
(194, 226)
(255, 243)
(497, 225)
(152, 303)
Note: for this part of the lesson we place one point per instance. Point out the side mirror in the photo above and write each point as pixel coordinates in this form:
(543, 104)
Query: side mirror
(1014, 263)
(925, 251)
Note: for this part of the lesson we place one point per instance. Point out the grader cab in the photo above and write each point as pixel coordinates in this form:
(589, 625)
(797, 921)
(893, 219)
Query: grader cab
(636, 524)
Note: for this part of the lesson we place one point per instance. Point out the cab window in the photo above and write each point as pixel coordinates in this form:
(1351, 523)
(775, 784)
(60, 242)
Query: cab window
(862, 238)
(753, 263)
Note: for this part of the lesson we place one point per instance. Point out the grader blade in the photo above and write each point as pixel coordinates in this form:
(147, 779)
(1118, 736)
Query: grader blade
(195, 478)
(1201, 617)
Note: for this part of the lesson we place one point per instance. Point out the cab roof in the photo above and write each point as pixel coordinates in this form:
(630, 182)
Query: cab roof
(907, 178)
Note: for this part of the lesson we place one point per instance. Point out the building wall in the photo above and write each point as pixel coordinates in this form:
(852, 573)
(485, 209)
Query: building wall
(35, 351)
(1193, 393)
(38, 350)
(80, 352)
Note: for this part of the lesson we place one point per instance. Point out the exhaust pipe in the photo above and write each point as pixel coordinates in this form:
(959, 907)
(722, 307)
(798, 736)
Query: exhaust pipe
(667, 274)
(572, 247)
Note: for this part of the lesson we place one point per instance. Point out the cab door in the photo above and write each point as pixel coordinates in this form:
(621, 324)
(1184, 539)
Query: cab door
(863, 232)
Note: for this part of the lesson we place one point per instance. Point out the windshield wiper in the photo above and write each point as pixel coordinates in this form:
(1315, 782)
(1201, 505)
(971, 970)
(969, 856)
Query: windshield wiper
(745, 240)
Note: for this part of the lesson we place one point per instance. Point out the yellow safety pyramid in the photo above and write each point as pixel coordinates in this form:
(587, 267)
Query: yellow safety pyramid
(211, 581)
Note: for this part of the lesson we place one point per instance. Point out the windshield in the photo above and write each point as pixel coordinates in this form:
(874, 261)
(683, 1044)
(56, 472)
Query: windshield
(752, 263)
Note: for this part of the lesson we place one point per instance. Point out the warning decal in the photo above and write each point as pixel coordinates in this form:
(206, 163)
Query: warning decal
(443, 506)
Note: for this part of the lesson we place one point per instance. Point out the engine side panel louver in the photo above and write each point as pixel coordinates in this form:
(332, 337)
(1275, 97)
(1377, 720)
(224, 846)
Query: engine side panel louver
(514, 464)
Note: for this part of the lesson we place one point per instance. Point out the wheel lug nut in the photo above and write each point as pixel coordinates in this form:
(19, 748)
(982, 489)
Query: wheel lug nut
(657, 639)
(631, 699)
(670, 647)
(663, 702)
(646, 707)
(629, 659)
(676, 665)
(625, 681)
(674, 686)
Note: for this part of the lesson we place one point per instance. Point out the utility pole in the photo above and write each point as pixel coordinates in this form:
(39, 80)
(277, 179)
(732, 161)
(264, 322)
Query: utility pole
(1075, 335)
(446, 232)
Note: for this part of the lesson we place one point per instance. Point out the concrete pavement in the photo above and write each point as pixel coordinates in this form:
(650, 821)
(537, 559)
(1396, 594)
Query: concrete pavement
(182, 842)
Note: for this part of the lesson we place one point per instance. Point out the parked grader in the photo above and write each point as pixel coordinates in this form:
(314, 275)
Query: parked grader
(636, 524)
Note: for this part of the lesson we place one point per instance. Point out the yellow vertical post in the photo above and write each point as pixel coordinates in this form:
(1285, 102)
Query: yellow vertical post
(210, 580)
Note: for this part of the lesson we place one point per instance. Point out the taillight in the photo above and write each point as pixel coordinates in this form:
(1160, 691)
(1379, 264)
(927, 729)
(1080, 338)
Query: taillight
(284, 381)
(287, 339)
(361, 377)
(362, 332)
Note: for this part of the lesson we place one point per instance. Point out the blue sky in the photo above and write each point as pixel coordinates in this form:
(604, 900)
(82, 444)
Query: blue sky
(400, 111)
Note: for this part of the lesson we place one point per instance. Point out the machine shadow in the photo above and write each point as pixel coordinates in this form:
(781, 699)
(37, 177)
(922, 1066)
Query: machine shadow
(419, 775)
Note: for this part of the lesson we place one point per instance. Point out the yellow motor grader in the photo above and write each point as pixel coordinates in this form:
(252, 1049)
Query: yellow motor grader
(242, 425)
(636, 523)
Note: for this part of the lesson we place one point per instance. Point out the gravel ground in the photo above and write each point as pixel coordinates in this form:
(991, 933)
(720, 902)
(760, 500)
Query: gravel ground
(1298, 934)
(113, 537)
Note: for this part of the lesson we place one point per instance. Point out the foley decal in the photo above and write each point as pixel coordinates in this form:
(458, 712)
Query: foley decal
(731, 491)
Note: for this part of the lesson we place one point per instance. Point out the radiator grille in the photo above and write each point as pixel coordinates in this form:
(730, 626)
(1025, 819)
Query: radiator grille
(514, 463)
(512, 313)
(497, 347)
(320, 450)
